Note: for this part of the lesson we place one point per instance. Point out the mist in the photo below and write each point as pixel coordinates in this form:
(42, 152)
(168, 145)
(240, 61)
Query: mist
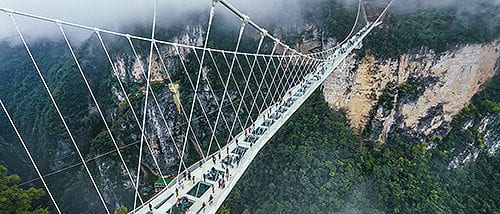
(413, 5)
(119, 14)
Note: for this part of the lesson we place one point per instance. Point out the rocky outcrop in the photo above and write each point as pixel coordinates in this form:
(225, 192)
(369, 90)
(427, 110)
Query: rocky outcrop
(418, 93)
(131, 68)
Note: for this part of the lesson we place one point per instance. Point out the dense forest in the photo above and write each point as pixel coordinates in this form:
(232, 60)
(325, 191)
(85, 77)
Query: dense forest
(14, 199)
(408, 29)
(317, 164)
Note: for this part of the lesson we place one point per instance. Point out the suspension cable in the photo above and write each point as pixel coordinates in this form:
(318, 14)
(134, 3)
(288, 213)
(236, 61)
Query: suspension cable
(242, 29)
(95, 102)
(29, 155)
(59, 113)
(210, 20)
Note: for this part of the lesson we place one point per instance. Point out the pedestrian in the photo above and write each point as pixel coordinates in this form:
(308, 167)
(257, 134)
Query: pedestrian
(150, 207)
(204, 177)
(236, 142)
(176, 192)
(220, 156)
(213, 159)
(227, 150)
(210, 199)
(193, 179)
(213, 188)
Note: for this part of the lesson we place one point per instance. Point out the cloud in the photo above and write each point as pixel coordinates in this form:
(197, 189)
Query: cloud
(109, 14)
(116, 14)
(412, 5)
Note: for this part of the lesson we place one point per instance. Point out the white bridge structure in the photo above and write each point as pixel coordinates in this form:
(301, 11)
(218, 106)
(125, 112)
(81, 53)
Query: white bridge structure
(276, 85)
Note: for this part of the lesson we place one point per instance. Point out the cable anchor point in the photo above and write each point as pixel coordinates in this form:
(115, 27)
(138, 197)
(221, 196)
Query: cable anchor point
(7, 11)
(263, 33)
(245, 18)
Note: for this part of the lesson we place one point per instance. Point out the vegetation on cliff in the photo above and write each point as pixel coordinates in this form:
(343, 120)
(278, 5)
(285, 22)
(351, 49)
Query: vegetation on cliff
(14, 199)
(437, 28)
(316, 164)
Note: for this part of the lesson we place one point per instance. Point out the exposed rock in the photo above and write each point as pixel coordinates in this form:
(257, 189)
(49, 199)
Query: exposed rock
(432, 88)
(357, 88)
(132, 68)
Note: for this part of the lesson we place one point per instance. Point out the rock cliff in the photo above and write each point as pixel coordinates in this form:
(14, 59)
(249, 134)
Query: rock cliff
(418, 94)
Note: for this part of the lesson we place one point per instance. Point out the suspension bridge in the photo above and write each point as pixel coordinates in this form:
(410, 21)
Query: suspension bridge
(273, 83)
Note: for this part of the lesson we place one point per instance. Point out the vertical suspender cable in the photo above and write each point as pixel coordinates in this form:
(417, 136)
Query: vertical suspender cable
(246, 85)
(29, 155)
(259, 89)
(242, 29)
(145, 104)
(212, 13)
(156, 101)
(60, 114)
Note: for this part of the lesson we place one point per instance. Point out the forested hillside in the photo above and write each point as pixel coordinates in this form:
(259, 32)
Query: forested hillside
(409, 28)
(317, 164)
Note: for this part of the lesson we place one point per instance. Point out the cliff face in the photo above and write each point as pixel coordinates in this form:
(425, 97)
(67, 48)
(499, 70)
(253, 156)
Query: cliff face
(417, 94)
(162, 140)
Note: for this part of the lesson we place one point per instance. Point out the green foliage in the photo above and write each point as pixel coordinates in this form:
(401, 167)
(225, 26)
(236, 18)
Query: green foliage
(315, 164)
(437, 28)
(334, 17)
(492, 106)
(311, 165)
(223, 210)
(484, 104)
(387, 97)
(121, 210)
(14, 199)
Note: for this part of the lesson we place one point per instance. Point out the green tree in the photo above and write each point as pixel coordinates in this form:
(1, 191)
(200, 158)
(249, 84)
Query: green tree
(14, 199)
(121, 210)
(224, 209)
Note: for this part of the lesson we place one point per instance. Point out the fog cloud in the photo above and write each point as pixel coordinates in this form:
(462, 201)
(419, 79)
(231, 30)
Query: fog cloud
(413, 5)
(116, 14)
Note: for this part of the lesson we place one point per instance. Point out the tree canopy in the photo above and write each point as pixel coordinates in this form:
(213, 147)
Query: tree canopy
(14, 199)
